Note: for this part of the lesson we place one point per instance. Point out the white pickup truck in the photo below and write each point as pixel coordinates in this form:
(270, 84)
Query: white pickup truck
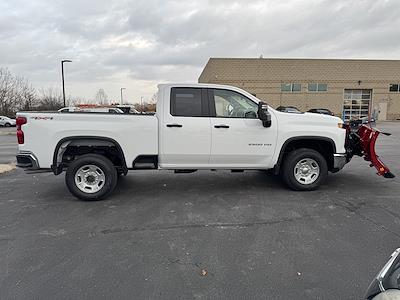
(196, 126)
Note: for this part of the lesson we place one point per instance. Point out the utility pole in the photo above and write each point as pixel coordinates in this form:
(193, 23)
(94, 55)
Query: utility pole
(121, 94)
(62, 76)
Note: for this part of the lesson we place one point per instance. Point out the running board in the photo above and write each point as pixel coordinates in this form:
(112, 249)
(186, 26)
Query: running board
(27, 171)
(144, 166)
(184, 171)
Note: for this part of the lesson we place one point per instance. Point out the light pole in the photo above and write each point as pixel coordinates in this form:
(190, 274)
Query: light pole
(62, 75)
(121, 94)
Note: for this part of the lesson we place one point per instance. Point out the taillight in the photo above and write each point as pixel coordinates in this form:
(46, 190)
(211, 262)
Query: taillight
(20, 134)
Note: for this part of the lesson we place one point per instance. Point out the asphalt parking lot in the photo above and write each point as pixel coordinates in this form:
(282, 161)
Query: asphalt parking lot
(8, 144)
(206, 235)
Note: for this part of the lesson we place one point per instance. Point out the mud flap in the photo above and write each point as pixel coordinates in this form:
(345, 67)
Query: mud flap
(362, 143)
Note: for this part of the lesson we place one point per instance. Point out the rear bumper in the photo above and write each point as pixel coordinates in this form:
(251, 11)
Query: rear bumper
(27, 160)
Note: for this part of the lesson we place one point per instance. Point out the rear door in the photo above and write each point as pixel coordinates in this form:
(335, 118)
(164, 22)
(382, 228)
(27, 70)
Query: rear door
(239, 139)
(185, 138)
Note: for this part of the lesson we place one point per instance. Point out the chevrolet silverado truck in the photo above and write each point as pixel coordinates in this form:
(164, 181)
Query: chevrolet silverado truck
(196, 126)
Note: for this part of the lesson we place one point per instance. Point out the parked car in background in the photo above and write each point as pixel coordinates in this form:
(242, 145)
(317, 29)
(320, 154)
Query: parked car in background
(289, 109)
(356, 123)
(386, 284)
(6, 121)
(128, 109)
(69, 109)
(111, 110)
(367, 120)
(323, 111)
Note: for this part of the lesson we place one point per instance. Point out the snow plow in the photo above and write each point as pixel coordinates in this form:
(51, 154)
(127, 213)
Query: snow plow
(361, 140)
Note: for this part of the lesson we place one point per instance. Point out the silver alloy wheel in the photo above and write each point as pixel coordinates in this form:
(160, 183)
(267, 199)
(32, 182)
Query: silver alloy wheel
(90, 179)
(306, 171)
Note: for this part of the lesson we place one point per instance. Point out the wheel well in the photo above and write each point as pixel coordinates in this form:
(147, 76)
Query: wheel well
(324, 146)
(67, 150)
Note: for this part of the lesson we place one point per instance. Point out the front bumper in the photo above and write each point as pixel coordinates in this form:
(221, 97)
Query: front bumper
(339, 160)
(27, 160)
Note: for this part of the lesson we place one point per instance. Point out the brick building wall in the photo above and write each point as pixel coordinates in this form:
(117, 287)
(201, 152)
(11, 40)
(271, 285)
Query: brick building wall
(263, 77)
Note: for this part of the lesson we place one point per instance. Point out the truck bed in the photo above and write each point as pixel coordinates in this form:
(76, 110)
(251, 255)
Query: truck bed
(136, 134)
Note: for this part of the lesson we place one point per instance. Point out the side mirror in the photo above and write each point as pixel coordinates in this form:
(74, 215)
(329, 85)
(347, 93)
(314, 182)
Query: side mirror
(263, 114)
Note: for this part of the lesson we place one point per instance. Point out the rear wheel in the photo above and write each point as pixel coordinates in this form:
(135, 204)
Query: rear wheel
(91, 177)
(7, 125)
(304, 169)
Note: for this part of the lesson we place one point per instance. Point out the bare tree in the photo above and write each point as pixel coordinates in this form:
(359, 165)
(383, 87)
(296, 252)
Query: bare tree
(101, 97)
(75, 101)
(28, 97)
(154, 98)
(145, 106)
(15, 93)
(6, 89)
(49, 99)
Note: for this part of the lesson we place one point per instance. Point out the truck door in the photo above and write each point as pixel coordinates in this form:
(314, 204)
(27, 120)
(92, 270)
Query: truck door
(238, 137)
(185, 138)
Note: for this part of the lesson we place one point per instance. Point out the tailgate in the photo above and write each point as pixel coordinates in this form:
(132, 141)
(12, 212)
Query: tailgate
(361, 142)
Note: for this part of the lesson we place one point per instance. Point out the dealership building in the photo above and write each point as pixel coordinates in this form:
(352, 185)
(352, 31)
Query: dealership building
(349, 88)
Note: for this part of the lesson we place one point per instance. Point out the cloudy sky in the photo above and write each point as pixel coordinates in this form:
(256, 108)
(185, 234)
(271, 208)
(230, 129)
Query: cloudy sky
(137, 44)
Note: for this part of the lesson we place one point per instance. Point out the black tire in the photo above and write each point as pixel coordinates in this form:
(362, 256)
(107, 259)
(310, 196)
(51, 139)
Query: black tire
(7, 125)
(105, 166)
(289, 165)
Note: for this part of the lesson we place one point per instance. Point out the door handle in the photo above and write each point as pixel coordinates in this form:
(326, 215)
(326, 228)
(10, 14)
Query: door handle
(174, 125)
(221, 126)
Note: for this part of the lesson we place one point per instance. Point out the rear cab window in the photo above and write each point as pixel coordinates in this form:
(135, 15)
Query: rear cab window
(188, 102)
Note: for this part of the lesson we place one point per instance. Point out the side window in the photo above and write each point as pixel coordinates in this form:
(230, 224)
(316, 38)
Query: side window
(186, 102)
(230, 104)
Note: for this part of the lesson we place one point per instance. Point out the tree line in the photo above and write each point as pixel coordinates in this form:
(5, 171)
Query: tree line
(17, 94)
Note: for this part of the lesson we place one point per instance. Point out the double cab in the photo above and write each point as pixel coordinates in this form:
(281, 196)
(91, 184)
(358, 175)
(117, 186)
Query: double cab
(195, 127)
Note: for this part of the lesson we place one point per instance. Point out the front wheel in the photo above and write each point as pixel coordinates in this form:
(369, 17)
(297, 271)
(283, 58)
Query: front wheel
(91, 177)
(7, 125)
(304, 170)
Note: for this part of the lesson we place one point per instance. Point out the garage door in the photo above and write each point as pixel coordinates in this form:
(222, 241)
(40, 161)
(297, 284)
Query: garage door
(356, 104)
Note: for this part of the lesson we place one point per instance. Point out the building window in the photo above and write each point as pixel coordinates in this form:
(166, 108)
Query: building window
(317, 87)
(291, 87)
(394, 87)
